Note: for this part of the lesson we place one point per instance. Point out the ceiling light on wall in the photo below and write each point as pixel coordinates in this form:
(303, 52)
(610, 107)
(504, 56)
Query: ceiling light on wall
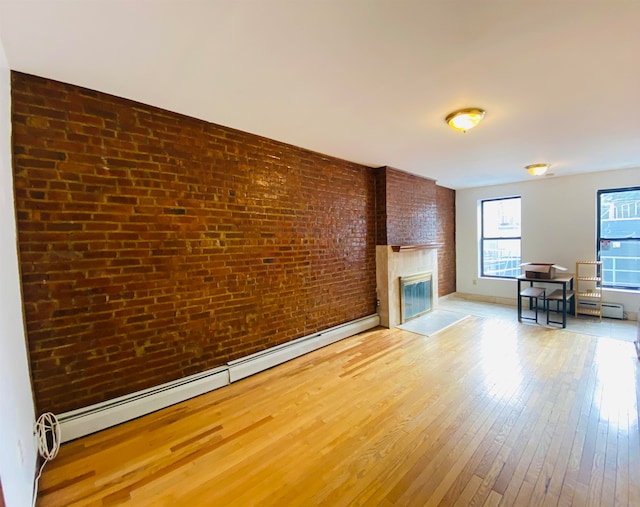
(537, 169)
(465, 119)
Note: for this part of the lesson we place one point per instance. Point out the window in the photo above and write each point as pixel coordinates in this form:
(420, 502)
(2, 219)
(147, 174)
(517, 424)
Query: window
(500, 237)
(619, 237)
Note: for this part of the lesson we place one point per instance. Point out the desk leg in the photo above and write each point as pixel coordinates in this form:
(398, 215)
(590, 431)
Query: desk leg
(564, 305)
(573, 299)
(519, 303)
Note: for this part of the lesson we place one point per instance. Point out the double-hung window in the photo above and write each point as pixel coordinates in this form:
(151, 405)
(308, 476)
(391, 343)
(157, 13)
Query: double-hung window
(500, 237)
(619, 237)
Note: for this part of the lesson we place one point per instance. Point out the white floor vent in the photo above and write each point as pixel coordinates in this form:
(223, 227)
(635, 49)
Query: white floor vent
(609, 310)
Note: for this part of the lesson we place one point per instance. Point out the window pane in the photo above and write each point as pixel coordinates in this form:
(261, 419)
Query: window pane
(501, 257)
(620, 214)
(501, 218)
(620, 263)
(619, 237)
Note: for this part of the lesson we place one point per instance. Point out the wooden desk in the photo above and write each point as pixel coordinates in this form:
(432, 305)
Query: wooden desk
(564, 280)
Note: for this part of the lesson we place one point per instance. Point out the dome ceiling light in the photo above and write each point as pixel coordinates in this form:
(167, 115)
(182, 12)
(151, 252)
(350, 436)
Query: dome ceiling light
(465, 119)
(537, 169)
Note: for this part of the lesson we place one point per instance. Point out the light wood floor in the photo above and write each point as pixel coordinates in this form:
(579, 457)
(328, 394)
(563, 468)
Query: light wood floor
(485, 413)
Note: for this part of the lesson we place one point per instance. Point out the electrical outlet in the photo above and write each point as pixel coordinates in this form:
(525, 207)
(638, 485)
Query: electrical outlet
(474, 281)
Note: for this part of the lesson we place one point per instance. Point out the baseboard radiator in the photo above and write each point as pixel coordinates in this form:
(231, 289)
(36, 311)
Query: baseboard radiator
(609, 310)
(84, 421)
(255, 363)
(81, 422)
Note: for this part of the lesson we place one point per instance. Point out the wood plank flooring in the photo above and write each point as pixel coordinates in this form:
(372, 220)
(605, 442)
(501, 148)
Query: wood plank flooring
(485, 413)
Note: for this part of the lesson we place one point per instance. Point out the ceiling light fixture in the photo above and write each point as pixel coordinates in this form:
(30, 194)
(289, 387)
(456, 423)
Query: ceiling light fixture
(537, 169)
(465, 119)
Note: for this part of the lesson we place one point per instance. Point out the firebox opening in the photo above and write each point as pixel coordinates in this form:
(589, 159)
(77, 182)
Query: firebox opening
(415, 295)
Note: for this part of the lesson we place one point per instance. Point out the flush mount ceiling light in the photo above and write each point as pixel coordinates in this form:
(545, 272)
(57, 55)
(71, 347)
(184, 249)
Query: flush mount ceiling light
(465, 119)
(537, 169)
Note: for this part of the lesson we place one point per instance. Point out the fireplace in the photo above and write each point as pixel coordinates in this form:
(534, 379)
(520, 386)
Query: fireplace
(415, 296)
(394, 263)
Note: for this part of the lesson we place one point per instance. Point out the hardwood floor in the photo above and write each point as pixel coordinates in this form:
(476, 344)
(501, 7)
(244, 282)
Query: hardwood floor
(486, 413)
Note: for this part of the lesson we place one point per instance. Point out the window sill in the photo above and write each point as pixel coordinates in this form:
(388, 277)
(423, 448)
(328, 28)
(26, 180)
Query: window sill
(622, 291)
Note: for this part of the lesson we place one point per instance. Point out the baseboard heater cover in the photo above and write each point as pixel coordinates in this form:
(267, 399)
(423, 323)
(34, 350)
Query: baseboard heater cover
(84, 421)
(246, 366)
(87, 420)
(609, 310)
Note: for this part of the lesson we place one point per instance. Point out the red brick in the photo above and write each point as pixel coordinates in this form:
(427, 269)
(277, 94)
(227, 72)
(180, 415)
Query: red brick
(145, 230)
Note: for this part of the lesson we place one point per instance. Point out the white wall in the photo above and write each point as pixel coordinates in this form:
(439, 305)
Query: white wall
(17, 447)
(558, 225)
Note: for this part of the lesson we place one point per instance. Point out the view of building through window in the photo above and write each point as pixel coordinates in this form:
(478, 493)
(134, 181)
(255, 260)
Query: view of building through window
(501, 237)
(619, 237)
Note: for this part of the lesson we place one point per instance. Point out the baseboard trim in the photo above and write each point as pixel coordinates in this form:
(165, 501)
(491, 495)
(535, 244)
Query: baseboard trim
(628, 315)
(249, 365)
(87, 420)
(81, 422)
(485, 299)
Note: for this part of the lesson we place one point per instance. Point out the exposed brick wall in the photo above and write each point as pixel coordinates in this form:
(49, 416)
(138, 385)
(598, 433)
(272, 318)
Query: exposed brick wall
(410, 209)
(154, 246)
(381, 206)
(446, 234)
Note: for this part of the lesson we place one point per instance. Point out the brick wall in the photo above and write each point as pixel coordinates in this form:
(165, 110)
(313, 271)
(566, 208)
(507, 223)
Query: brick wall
(446, 234)
(381, 206)
(410, 209)
(154, 246)
(414, 211)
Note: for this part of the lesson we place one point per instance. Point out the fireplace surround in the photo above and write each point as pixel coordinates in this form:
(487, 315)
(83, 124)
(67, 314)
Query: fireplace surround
(393, 262)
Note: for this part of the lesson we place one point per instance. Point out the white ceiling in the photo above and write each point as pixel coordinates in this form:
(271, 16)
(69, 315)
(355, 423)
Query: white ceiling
(365, 80)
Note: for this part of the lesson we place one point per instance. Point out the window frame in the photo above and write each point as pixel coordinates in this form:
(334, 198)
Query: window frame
(484, 238)
(599, 238)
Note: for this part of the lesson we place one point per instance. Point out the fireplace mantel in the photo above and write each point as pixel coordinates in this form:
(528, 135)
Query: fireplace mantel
(426, 246)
